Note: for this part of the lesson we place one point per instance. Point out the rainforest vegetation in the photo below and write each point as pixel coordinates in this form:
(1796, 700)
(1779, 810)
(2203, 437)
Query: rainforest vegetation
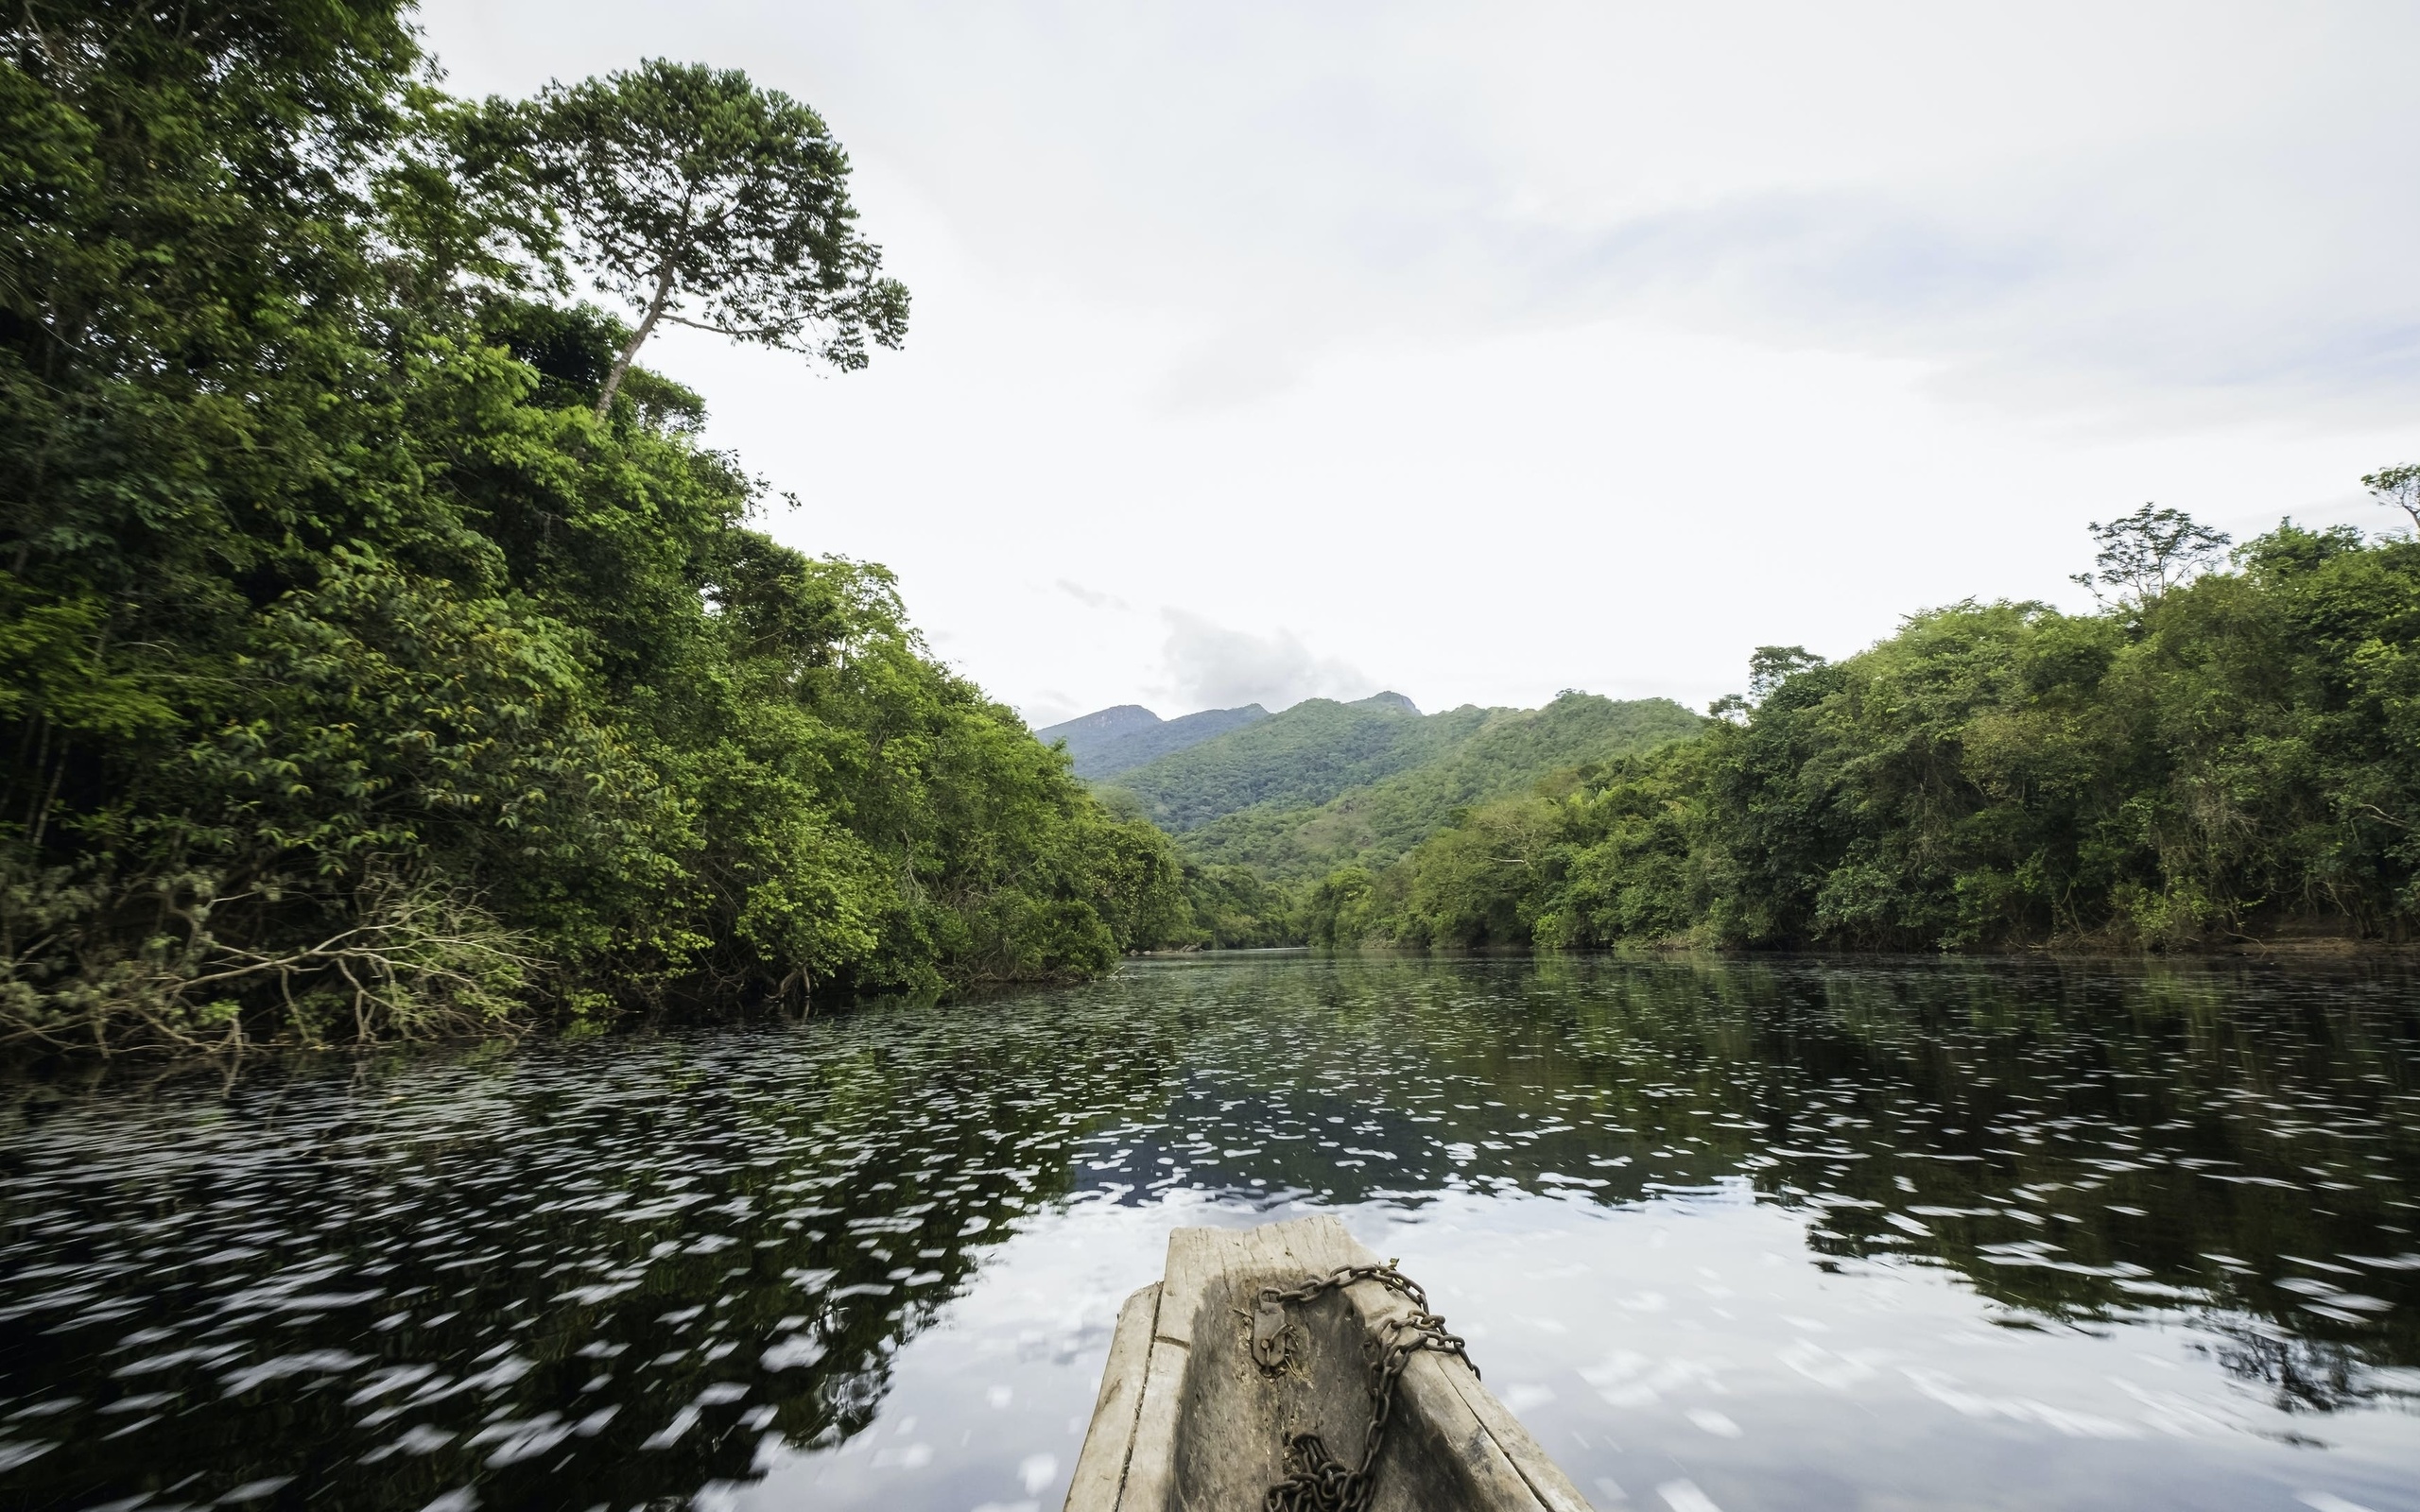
(1262, 804)
(382, 651)
(1473, 756)
(1306, 754)
(2220, 753)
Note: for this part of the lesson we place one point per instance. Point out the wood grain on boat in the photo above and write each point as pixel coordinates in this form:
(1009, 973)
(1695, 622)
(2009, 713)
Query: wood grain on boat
(1188, 1422)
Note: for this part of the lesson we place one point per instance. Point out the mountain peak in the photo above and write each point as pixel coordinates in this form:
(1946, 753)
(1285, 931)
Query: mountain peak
(1389, 700)
(1109, 741)
(1103, 724)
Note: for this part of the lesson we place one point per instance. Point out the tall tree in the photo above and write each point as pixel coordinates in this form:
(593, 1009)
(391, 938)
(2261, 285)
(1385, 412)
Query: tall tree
(697, 198)
(2398, 488)
(2148, 552)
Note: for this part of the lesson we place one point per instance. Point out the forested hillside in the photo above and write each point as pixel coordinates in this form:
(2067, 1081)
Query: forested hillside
(1260, 810)
(1111, 741)
(1507, 753)
(2213, 758)
(1308, 754)
(381, 650)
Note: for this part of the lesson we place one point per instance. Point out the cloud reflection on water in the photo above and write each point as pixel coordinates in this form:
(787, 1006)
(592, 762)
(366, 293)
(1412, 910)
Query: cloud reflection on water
(1777, 1234)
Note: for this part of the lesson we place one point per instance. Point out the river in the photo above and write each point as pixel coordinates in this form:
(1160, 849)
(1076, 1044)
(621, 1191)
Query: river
(1743, 1234)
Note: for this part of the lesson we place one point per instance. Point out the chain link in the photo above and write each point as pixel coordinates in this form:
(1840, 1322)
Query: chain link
(1321, 1482)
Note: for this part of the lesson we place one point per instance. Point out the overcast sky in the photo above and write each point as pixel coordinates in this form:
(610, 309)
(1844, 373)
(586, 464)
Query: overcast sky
(1480, 352)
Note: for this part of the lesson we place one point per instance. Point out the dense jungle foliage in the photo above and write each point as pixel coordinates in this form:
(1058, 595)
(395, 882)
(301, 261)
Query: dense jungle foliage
(368, 665)
(2209, 758)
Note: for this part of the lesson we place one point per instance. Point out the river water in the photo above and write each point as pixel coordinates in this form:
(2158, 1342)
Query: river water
(1749, 1235)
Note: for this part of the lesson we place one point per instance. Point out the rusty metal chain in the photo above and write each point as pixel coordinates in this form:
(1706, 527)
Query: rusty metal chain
(1321, 1482)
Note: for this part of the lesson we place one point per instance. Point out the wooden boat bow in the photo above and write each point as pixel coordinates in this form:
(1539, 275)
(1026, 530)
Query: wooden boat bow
(1205, 1389)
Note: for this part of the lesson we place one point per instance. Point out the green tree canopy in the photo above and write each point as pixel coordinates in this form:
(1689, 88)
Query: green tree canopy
(2398, 488)
(696, 198)
(2145, 553)
(366, 668)
(2231, 757)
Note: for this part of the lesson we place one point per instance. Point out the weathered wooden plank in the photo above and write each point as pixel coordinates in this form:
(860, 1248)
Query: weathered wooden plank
(1150, 1468)
(1543, 1476)
(1210, 1423)
(1100, 1468)
(1442, 1393)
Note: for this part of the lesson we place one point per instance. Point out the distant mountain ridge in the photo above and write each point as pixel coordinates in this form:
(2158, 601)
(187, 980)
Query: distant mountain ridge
(1306, 754)
(1109, 741)
(1476, 756)
(1322, 784)
(1294, 795)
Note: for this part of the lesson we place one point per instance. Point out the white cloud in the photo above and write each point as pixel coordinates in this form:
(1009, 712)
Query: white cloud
(1514, 348)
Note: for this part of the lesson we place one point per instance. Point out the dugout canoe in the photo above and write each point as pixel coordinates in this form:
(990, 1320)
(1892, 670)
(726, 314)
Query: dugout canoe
(1189, 1420)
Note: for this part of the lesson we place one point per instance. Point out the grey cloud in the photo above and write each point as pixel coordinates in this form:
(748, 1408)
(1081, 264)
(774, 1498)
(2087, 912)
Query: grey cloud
(1243, 365)
(2054, 294)
(1046, 708)
(1211, 667)
(1091, 597)
(1299, 179)
(2259, 258)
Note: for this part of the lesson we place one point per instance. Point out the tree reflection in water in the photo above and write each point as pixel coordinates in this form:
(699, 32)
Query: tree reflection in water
(616, 1271)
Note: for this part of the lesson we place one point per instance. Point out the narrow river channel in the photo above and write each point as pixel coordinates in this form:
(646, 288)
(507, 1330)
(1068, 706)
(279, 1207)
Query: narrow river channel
(1763, 1236)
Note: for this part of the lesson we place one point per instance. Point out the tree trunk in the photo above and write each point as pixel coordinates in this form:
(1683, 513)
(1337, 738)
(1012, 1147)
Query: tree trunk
(638, 338)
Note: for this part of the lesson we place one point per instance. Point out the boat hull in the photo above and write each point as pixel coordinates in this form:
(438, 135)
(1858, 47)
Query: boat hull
(1188, 1422)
